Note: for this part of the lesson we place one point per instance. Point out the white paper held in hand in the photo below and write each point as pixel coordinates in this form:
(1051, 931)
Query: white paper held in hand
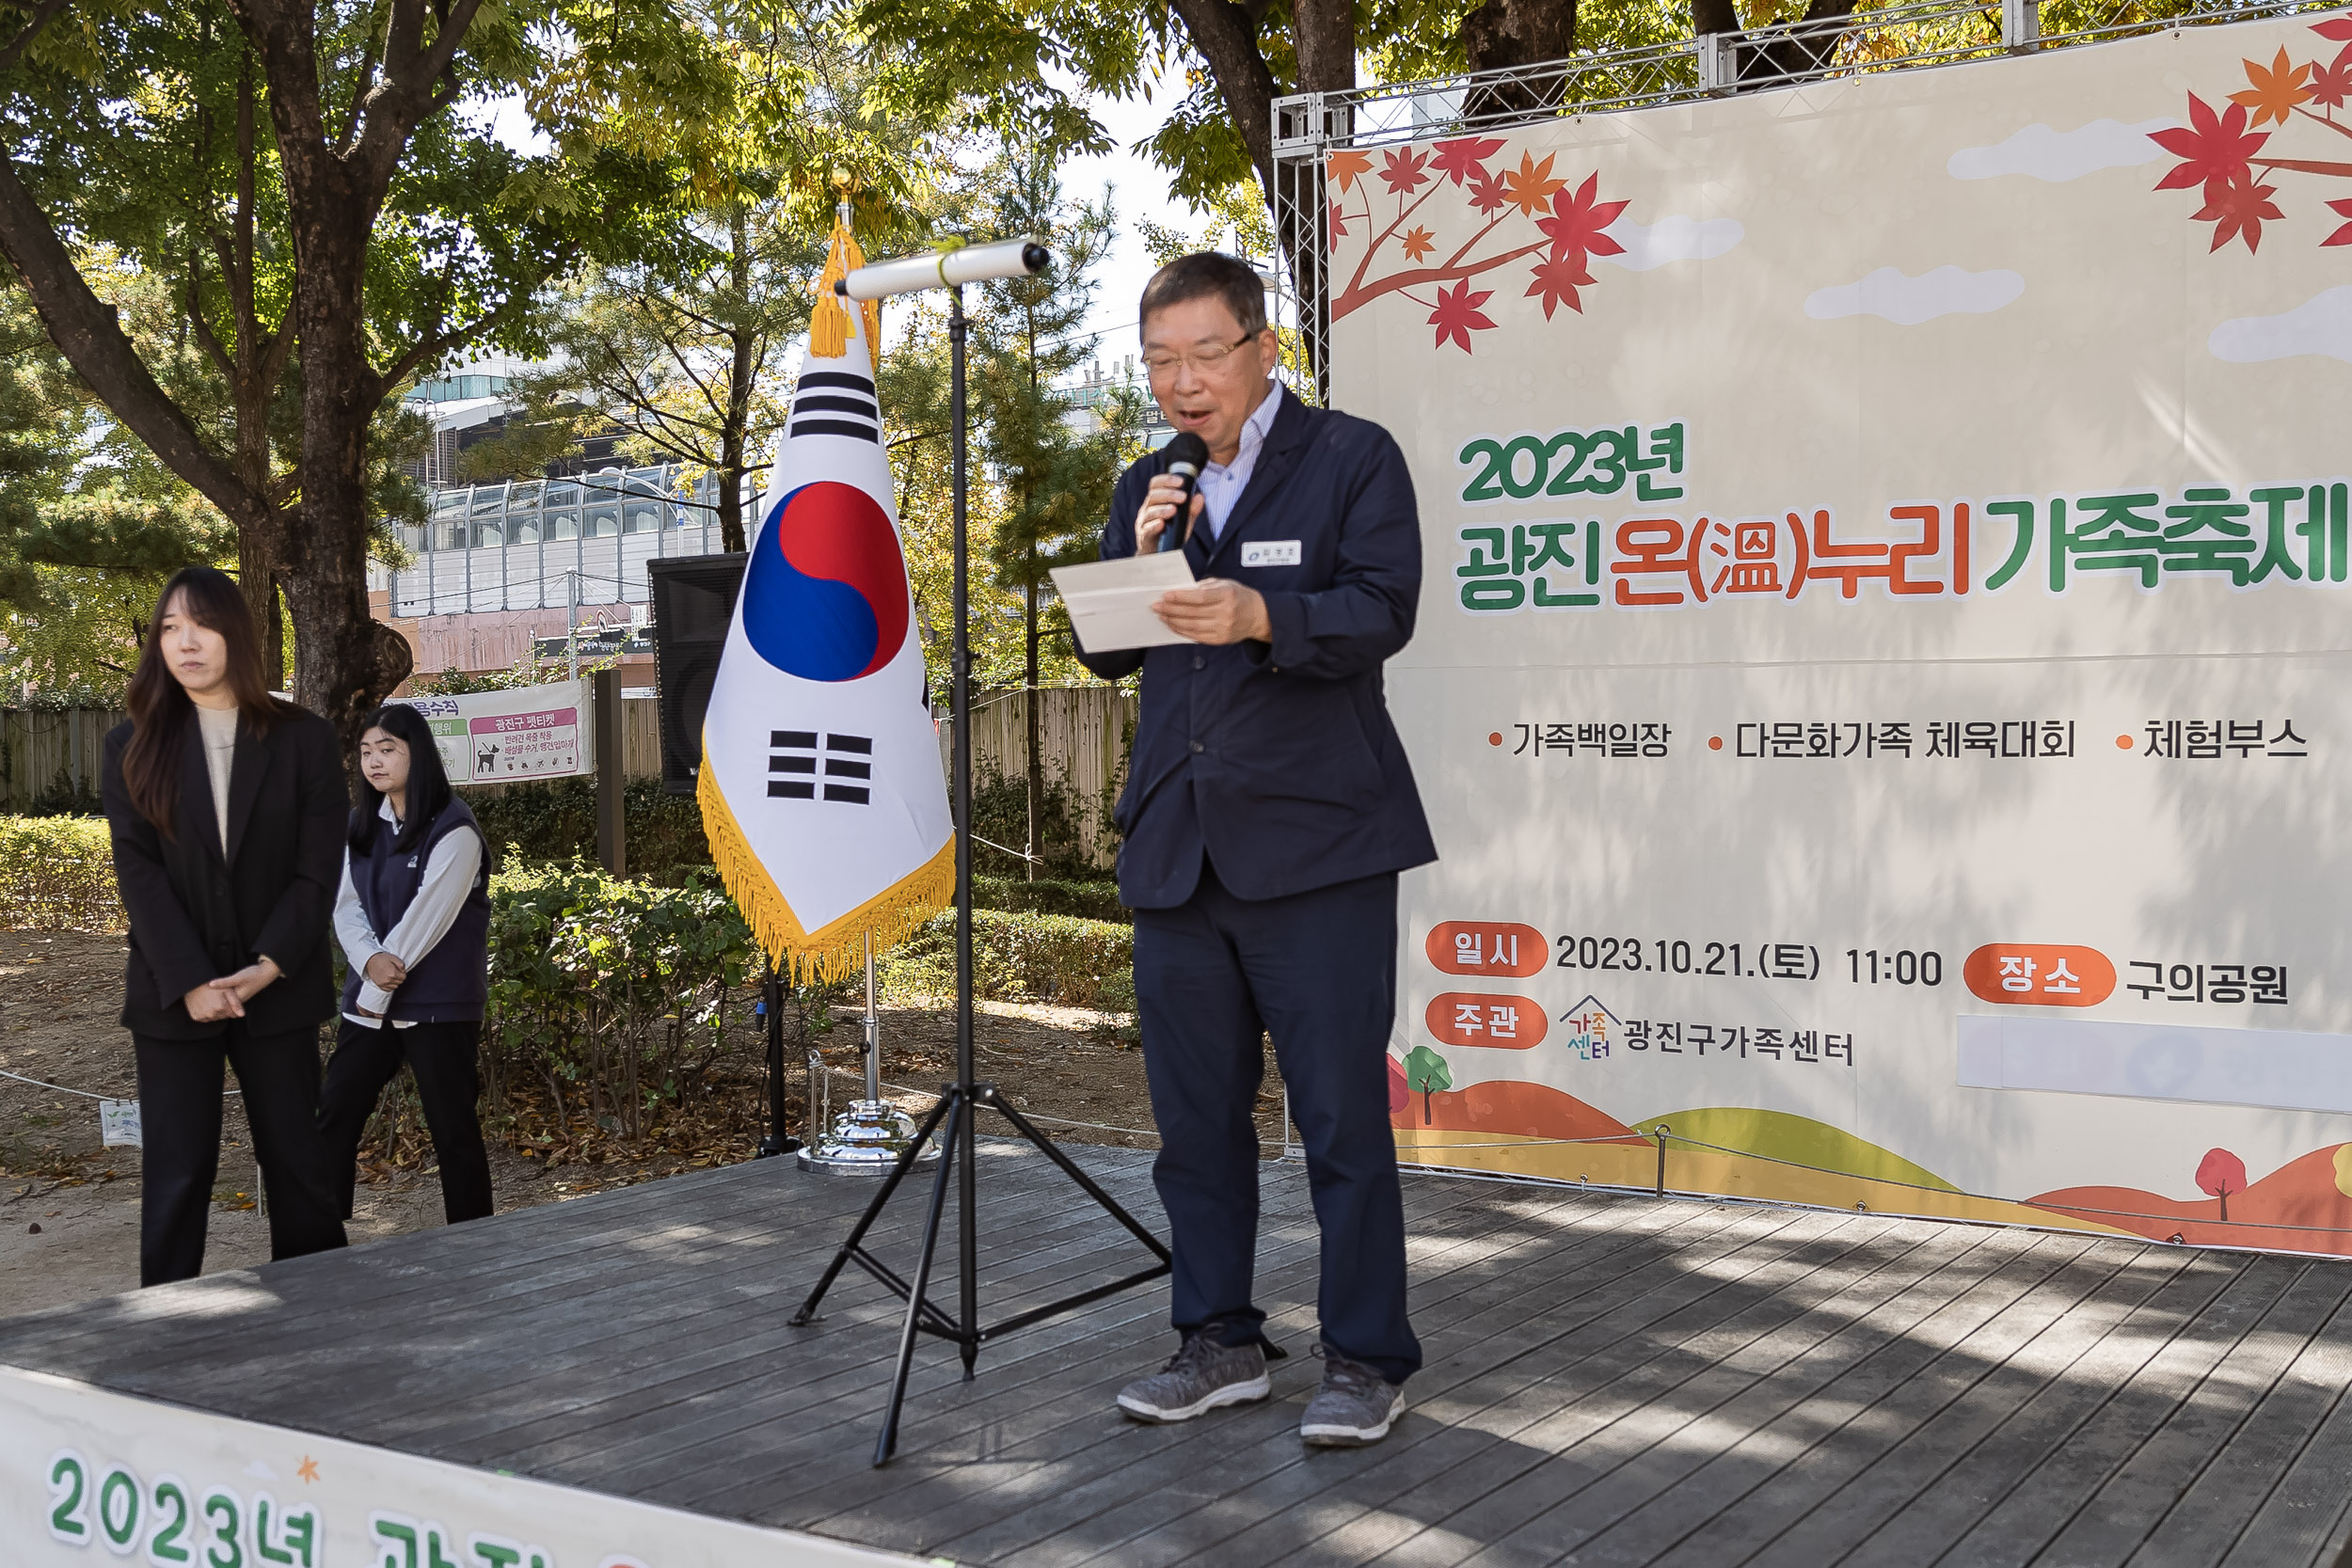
(1110, 601)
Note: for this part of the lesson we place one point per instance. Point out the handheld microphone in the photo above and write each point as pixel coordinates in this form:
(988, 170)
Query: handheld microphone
(935, 269)
(1187, 455)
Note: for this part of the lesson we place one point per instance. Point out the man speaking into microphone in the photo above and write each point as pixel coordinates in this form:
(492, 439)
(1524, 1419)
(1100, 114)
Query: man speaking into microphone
(1267, 811)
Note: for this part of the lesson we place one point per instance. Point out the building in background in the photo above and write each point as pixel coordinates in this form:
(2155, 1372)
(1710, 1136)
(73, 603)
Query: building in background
(506, 569)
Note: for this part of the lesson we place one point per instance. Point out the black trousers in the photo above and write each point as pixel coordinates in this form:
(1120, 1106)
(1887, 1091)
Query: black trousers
(1318, 971)
(442, 1055)
(179, 1089)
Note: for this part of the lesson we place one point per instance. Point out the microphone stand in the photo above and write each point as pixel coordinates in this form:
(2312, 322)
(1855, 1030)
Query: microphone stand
(954, 1120)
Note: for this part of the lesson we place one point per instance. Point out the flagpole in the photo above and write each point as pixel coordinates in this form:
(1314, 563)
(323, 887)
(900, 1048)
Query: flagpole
(953, 1120)
(966, 1127)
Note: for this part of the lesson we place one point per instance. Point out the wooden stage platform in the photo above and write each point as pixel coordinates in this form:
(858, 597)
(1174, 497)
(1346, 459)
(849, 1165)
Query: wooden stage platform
(1611, 1380)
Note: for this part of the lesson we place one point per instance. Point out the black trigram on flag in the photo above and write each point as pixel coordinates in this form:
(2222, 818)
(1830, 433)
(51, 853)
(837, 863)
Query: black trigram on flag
(844, 763)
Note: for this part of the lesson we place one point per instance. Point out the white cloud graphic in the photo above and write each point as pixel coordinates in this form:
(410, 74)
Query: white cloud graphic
(2057, 156)
(2322, 324)
(1673, 238)
(1907, 301)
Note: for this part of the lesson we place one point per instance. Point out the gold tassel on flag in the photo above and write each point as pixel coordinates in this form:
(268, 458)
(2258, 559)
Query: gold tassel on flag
(828, 321)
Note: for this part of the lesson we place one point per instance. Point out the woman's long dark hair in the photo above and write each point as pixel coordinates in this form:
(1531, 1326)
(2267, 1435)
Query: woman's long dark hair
(428, 780)
(159, 707)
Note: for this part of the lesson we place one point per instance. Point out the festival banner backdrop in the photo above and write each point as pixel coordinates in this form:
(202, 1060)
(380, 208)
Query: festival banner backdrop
(1883, 675)
(820, 786)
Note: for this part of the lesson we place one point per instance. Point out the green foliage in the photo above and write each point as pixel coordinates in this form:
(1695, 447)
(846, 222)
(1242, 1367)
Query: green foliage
(58, 873)
(556, 820)
(1000, 813)
(1086, 901)
(609, 991)
(1020, 957)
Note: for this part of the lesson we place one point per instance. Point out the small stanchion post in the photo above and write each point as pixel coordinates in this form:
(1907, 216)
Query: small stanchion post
(1662, 1159)
(771, 1008)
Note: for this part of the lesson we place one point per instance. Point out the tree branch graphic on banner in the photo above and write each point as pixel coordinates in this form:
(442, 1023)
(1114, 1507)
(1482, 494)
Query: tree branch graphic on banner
(820, 786)
(1569, 224)
(2219, 146)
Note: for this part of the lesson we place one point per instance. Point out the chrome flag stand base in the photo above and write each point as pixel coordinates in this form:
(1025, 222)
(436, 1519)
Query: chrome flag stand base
(868, 1138)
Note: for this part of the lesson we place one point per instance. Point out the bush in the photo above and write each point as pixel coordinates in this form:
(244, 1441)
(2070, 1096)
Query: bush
(58, 873)
(556, 820)
(1088, 900)
(1000, 813)
(611, 993)
(1019, 957)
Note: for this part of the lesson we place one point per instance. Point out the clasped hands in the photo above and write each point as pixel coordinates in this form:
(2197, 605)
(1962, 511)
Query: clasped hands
(1215, 610)
(226, 997)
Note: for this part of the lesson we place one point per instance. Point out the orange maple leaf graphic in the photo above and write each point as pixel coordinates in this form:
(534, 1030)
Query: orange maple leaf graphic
(2276, 92)
(1530, 185)
(1418, 243)
(1346, 166)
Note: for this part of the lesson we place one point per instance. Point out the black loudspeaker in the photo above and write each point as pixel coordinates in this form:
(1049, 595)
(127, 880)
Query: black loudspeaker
(693, 605)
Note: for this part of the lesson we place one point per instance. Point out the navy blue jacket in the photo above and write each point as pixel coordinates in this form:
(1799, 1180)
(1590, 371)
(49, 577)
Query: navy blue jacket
(452, 983)
(1278, 759)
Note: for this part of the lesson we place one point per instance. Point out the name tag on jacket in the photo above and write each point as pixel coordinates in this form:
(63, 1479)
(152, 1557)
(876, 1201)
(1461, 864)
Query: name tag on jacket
(1270, 552)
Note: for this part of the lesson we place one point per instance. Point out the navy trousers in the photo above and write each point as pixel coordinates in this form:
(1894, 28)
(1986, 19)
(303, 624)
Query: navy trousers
(1317, 970)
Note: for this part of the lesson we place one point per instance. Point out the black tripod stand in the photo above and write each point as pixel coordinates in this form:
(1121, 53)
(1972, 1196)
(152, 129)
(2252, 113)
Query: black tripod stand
(954, 1120)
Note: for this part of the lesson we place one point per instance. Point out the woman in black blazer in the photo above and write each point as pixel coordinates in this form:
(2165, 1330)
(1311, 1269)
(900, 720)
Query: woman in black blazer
(226, 807)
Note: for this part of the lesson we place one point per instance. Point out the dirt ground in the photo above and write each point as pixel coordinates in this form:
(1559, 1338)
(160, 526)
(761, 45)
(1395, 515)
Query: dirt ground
(68, 1208)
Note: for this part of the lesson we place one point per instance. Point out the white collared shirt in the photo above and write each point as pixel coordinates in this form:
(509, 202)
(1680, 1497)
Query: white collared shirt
(1221, 483)
(449, 876)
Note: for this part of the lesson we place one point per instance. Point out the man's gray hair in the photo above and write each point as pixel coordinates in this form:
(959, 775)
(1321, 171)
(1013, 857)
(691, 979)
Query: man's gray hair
(1207, 275)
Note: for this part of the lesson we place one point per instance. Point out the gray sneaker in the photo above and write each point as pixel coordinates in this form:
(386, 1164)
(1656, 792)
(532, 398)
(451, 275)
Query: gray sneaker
(1200, 1376)
(1356, 1405)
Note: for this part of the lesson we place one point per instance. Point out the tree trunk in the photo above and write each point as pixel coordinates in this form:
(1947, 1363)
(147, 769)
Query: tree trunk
(739, 375)
(1504, 33)
(1037, 763)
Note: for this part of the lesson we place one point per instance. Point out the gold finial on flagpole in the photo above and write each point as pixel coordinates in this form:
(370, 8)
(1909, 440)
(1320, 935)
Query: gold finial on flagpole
(828, 320)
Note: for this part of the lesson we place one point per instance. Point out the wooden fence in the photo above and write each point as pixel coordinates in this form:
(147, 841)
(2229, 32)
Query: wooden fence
(1083, 732)
(50, 757)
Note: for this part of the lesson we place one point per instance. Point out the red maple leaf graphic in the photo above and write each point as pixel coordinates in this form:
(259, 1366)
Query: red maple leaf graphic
(1458, 315)
(1418, 243)
(1339, 222)
(1486, 193)
(1401, 171)
(2332, 84)
(2239, 208)
(2344, 235)
(1578, 220)
(2340, 29)
(1557, 281)
(2214, 150)
(1461, 157)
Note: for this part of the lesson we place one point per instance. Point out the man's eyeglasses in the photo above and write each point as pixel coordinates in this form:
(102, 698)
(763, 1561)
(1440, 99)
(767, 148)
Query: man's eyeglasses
(1202, 361)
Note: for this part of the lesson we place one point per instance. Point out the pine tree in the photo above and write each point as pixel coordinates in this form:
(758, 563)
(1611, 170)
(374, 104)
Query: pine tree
(1056, 481)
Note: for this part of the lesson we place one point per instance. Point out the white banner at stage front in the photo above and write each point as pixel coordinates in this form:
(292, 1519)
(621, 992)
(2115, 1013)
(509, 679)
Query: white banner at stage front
(1885, 566)
(524, 732)
(93, 1477)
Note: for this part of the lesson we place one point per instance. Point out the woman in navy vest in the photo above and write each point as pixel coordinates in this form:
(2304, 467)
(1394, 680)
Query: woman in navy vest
(414, 919)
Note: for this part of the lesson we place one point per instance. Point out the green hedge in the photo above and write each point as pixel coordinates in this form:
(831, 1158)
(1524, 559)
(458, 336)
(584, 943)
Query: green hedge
(1020, 957)
(1087, 900)
(556, 820)
(58, 873)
